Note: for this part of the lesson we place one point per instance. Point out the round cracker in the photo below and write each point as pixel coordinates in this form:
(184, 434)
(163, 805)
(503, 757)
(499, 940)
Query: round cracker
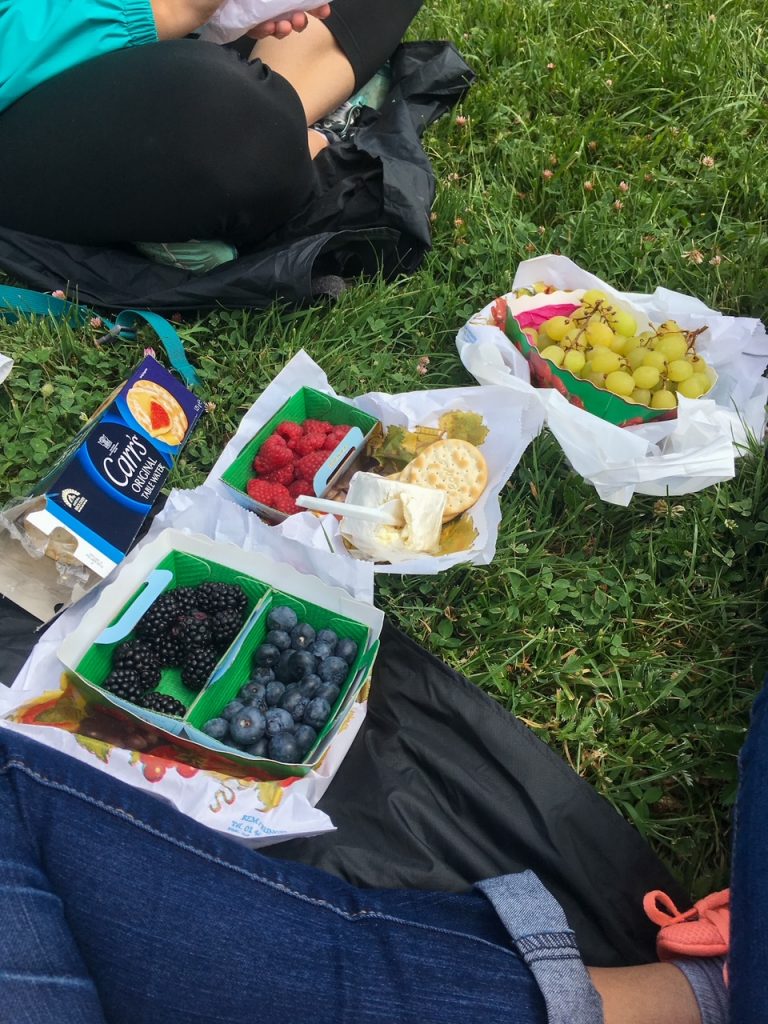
(456, 467)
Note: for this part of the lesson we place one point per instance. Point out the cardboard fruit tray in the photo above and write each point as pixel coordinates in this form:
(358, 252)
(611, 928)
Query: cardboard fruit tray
(187, 561)
(306, 403)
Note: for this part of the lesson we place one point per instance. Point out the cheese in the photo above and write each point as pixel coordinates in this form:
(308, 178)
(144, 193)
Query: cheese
(418, 509)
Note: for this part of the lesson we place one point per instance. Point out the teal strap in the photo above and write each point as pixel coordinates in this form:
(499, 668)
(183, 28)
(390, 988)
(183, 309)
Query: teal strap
(16, 301)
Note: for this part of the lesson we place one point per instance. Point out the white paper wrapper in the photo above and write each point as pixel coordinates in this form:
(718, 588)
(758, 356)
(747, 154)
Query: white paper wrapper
(239, 808)
(236, 17)
(673, 457)
(512, 425)
(6, 365)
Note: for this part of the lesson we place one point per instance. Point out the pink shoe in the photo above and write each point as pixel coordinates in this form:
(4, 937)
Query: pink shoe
(701, 931)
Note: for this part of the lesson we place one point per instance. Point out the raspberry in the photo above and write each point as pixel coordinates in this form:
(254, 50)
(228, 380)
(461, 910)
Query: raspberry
(312, 426)
(272, 457)
(290, 431)
(339, 432)
(273, 442)
(283, 476)
(265, 492)
(331, 443)
(285, 503)
(300, 487)
(309, 465)
(311, 442)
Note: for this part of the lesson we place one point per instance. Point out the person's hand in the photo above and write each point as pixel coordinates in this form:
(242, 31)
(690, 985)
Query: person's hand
(282, 27)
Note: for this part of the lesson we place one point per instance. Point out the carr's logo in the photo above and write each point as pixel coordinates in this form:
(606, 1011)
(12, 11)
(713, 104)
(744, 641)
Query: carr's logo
(73, 499)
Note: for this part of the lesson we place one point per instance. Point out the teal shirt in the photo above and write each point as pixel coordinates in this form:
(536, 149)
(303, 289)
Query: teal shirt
(41, 38)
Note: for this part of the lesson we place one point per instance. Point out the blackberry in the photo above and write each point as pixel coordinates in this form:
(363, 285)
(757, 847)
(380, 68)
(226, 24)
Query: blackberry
(160, 618)
(162, 702)
(192, 630)
(198, 665)
(225, 626)
(141, 658)
(125, 683)
(221, 597)
(168, 651)
(186, 599)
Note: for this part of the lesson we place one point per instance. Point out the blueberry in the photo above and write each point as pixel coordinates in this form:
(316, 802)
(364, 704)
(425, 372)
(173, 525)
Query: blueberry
(310, 685)
(262, 675)
(274, 693)
(259, 749)
(317, 712)
(232, 709)
(278, 720)
(216, 728)
(267, 656)
(302, 636)
(282, 617)
(279, 638)
(247, 727)
(305, 737)
(304, 662)
(346, 649)
(252, 693)
(294, 703)
(333, 670)
(283, 747)
(321, 650)
(328, 692)
(281, 669)
(327, 636)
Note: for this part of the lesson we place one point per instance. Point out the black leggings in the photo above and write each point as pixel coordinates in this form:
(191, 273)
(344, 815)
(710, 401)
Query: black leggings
(173, 140)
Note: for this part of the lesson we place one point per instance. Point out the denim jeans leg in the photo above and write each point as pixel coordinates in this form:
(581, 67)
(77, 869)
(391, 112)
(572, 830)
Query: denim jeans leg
(177, 924)
(748, 960)
(42, 975)
(540, 931)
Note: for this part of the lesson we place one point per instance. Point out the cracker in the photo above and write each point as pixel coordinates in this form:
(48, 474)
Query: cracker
(456, 467)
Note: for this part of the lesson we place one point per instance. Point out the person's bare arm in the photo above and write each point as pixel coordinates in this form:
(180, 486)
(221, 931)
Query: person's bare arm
(175, 19)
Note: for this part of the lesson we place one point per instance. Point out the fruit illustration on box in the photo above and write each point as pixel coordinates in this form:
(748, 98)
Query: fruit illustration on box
(298, 673)
(188, 628)
(592, 337)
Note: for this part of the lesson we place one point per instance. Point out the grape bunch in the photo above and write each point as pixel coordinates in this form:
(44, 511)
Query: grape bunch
(296, 680)
(599, 342)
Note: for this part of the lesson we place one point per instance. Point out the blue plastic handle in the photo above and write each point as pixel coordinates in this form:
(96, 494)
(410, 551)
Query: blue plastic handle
(156, 584)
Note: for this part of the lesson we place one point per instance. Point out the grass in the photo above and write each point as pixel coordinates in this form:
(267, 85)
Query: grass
(631, 640)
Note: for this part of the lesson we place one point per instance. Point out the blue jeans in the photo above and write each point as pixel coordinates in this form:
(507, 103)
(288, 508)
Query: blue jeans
(748, 960)
(114, 907)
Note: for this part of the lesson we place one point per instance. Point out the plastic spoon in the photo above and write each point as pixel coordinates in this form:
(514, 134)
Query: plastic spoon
(343, 508)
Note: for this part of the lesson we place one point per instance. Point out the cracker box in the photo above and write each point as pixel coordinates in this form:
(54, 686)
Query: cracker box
(85, 514)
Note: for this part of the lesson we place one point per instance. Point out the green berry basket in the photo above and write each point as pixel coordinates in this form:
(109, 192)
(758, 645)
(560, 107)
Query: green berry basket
(215, 697)
(581, 393)
(177, 569)
(305, 404)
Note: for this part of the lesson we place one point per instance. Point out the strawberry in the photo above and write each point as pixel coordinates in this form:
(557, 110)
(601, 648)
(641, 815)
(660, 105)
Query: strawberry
(289, 431)
(283, 476)
(313, 426)
(309, 465)
(310, 442)
(300, 487)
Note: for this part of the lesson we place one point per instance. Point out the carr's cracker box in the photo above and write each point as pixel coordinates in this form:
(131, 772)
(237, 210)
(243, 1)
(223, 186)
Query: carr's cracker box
(85, 514)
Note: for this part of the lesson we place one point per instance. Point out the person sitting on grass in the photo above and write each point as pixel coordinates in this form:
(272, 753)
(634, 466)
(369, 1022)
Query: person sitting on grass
(117, 128)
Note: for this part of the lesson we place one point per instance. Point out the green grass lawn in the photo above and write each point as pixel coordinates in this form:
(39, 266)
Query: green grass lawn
(631, 640)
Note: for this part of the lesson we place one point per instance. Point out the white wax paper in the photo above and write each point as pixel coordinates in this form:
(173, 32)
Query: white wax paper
(673, 457)
(512, 425)
(237, 17)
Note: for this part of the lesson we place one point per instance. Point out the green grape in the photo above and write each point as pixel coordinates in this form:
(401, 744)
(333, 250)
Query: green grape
(642, 396)
(589, 298)
(574, 361)
(625, 323)
(554, 353)
(679, 370)
(574, 338)
(663, 400)
(692, 387)
(674, 346)
(620, 383)
(627, 344)
(599, 333)
(657, 359)
(556, 327)
(669, 327)
(636, 357)
(598, 379)
(540, 286)
(605, 361)
(646, 377)
(704, 380)
(532, 335)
